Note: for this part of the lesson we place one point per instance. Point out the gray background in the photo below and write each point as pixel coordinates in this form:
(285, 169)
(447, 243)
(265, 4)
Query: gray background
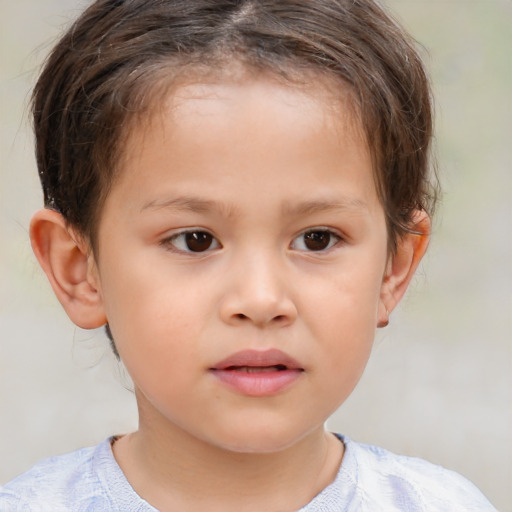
(439, 382)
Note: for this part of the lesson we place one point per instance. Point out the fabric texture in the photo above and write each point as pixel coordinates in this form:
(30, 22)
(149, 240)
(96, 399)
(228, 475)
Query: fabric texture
(370, 479)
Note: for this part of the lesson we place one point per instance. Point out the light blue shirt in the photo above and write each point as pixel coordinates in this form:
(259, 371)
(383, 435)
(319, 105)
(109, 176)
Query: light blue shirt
(370, 479)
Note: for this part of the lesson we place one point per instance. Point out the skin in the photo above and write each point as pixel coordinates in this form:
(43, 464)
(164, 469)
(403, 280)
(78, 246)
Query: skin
(255, 164)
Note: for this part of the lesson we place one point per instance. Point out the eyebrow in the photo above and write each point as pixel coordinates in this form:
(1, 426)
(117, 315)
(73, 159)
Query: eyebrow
(188, 203)
(199, 205)
(327, 205)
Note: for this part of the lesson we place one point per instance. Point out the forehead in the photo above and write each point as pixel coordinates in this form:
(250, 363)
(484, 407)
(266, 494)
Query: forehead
(313, 99)
(258, 125)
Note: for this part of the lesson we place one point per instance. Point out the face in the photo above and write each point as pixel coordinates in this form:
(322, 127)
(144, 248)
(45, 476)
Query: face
(241, 258)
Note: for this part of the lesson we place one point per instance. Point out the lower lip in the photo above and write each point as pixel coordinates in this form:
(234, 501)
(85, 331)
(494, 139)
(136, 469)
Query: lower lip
(258, 383)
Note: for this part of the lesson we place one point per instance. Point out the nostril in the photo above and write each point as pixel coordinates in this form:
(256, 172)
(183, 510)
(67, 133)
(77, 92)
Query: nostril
(277, 318)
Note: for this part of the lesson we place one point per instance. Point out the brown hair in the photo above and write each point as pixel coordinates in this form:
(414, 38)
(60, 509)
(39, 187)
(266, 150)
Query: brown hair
(105, 69)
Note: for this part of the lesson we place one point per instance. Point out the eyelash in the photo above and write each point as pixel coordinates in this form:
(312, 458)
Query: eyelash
(333, 240)
(170, 242)
(207, 239)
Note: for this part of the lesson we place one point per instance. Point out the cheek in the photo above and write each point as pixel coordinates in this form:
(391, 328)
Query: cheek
(345, 302)
(153, 317)
(158, 350)
(343, 312)
(350, 340)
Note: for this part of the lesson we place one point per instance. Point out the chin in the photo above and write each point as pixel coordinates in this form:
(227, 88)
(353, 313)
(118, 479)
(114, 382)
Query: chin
(258, 439)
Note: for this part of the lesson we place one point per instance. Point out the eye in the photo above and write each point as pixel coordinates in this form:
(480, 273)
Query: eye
(192, 241)
(315, 240)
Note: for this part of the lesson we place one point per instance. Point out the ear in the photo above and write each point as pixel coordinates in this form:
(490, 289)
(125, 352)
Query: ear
(402, 264)
(70, 268)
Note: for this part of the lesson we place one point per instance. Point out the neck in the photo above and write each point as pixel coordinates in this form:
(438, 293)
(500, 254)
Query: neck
(173, 470)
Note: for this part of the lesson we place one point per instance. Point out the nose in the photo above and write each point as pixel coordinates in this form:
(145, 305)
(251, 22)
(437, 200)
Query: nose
(258, 293)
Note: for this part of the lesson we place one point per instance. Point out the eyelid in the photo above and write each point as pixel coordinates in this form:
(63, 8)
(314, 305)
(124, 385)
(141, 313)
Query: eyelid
(334, 232)
(168, 240)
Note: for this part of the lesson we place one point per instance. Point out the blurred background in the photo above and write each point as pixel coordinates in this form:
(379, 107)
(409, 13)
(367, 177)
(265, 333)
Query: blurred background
(439, 382)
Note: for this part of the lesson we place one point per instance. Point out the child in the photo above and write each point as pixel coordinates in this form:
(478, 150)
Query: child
(239, 191)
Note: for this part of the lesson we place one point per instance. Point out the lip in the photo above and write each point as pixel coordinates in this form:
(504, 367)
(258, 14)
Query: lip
(258, 373)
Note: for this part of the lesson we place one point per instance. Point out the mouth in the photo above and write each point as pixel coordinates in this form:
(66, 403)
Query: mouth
(258, 373)
(257, 369)
(270, 359)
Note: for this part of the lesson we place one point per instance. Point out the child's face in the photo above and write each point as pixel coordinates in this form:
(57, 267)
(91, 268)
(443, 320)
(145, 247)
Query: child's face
(244, 219)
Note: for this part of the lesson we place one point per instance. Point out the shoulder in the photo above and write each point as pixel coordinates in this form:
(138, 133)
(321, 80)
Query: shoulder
(409, 483)
(58, 483)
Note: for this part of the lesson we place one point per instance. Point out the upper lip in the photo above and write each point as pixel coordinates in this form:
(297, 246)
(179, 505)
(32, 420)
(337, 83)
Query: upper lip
(258, 358)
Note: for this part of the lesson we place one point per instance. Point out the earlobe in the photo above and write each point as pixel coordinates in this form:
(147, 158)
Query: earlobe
(402, 265)
(67, 263)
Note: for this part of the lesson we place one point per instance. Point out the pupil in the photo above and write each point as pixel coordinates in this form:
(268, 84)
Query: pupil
(317, 240)
(198, 241)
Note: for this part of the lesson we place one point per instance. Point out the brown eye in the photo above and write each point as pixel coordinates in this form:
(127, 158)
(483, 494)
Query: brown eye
(192, 241)
(316, 240)
(198, 241)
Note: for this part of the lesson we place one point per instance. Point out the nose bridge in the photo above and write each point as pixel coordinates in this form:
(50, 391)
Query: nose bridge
(258, 290)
